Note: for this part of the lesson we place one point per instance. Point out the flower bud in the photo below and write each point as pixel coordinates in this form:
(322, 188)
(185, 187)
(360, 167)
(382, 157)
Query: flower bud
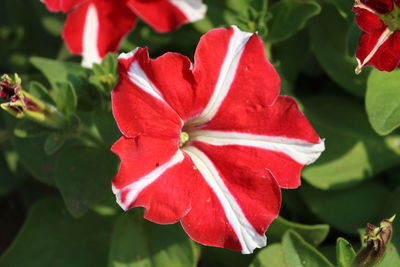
(23, 105)
(377, 239)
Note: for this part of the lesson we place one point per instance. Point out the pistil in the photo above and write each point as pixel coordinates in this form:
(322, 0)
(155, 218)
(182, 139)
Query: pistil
(183, 139)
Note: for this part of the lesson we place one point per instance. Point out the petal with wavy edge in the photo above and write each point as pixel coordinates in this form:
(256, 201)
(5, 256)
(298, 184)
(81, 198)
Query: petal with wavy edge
(90, 29)
(167, 15)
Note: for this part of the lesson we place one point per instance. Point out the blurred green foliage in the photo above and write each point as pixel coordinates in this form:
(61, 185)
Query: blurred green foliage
(56, 204)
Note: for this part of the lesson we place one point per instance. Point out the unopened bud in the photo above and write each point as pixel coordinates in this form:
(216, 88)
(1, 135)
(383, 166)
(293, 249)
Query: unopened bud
(377, 238)
(23, 105)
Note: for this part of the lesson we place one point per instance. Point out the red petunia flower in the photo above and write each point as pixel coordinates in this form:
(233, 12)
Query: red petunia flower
(96, 27)
(379, 44)
(209, 144)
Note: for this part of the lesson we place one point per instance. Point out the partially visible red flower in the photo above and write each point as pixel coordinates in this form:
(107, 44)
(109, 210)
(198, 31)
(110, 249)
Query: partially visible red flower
(379, 44)
(209, 144)
(95, 27)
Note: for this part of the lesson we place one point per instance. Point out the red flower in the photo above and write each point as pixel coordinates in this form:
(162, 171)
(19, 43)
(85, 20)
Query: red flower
(209, 145)
(95, 27)
(379, 44)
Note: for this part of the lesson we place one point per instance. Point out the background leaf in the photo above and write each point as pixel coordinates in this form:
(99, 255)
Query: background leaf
(137, 242)
(313, 234)
(382, 101)
(344, 253)
(51, 237)
(288, 17)
(83, 176)
(298, 252)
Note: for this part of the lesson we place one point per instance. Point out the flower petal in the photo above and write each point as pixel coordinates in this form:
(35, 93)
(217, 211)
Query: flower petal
(367, 21)
(281, 130)
(167, 15)
(171, 74)
(230, 208)
(90, 29)
(148, 167)
(231, 62)
(381, 49)
(61, 5)
(380, 6)
(280, 136)
(138, 105)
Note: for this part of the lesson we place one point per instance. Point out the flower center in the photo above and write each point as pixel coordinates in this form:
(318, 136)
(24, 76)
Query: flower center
(183, 139)
(392, 19)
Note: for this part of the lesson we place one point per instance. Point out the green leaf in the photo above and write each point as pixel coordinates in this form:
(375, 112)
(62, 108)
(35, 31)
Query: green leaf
(382, 101)
(39, 91)
(59, 73)
(391, 257)
(28, 128)
(354, 152)
(298, 252)
(54, 142)
(328, 35)
(51, 237)
(35, 160)
(290, 16)
(357, 205)
(137, 242)
(272, 255)
(66, 99)
(83, 176)
(344, 253)
(313, 234)
(106, 126)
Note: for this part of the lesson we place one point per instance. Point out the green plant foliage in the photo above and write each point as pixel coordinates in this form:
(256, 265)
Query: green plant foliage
(354, 152)
(273, 255)
(349, 209)
(331, 50)
(136, 243)
(298, 252)
(344, 253)
(313, 234)
(290, 16)
(51, 237)
(82, 175)
(39, 164)
(382, 101)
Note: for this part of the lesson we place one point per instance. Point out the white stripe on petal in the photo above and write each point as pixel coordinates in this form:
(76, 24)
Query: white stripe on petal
(139, 77)
(193, 9)
(138, 186)
(90, 51)
(361, 5)
(245, 232)
(384, 36)
(299, 150)
(226, 76)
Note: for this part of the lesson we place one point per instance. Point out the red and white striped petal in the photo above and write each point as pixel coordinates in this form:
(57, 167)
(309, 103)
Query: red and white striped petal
(97, 27)
(138, 105)
(231, 62)
(172, 75)
(168, 15)
(381, 49)
(278, 135)
(230, 208)
(156, 175)
(61, 5)
(378, 6)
